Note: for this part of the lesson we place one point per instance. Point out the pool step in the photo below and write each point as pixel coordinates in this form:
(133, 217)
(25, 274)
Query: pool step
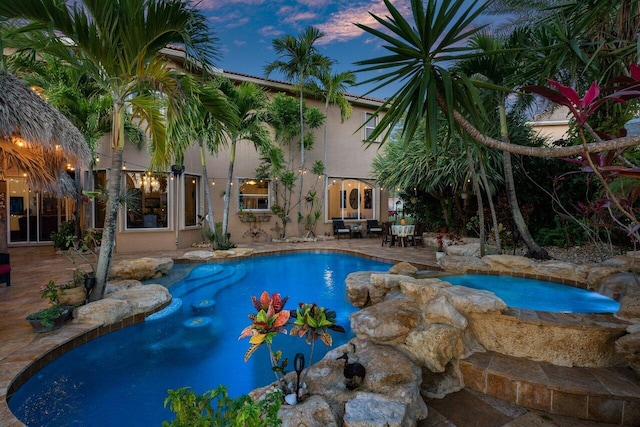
(207, 278)
(608, 395)
(174, 306)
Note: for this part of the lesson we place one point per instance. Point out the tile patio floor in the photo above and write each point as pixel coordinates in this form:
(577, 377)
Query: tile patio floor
(34, 266)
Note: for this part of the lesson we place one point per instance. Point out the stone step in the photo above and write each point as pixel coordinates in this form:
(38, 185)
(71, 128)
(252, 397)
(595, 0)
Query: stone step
(609, 395)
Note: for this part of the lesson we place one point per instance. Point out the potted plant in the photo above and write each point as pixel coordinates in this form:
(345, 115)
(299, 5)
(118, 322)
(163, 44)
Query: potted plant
(440, 251)
(74, 292)
(53, 317)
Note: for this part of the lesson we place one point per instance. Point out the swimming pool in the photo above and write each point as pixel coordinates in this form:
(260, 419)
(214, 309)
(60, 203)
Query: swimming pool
(538, 295)
(122, 378)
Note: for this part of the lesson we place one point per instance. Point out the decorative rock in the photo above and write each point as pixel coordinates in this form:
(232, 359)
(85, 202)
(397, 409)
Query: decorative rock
(560, 270)
(198, 255)
(360, 287)
(436, 385)
(618, 285)
(502, 263)
(630, 308)
(595, 273)
(370, 409)
(143, 299)
(291, 399)
(423, 291)
(461, 265)
(141, 269)
(468, 250)
(103, 312)
(435, 346)
(120, 285)
(386, 322)
(629, 347)
(441, 311)
(314, 412)
(467, 300)
(403, 268)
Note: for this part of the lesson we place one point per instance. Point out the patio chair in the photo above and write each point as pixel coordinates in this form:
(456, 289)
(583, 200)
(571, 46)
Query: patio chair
(373, 227)
(387, 236)
(418, 231)
(340, 229)
(5, 269)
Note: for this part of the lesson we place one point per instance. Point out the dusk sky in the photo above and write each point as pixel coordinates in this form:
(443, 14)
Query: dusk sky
(246, 29)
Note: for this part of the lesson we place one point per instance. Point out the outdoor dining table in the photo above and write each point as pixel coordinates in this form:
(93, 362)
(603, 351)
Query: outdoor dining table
(402, 232)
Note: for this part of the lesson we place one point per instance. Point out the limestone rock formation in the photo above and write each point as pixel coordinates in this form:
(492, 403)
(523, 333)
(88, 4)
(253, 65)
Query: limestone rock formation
(141, 268)
(103, 312)
(143, 299)
(404, 268)
(629, 347)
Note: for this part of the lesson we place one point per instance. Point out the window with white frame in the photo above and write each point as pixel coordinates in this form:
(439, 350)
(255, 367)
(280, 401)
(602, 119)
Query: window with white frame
(146, 202)
(254, 194)
(350, 199)
(370, 121)
(190, 205)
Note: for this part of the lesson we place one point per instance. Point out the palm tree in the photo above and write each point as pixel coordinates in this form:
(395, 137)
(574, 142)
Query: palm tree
(332, 88)
(420, 56)
(117, 44)
(251, 108)
(207, 114)
(300, 60)
(75, 95)
(495, 67)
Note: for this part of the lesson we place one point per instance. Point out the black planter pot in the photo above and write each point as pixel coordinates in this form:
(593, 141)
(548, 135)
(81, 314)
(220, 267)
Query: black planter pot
(52, 323)
(89, 283)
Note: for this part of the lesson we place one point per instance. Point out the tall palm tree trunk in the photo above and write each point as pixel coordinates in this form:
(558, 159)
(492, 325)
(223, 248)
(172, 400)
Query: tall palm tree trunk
(324, 155)
(302, 158)
(535, 251)
(227, 199)
(492, 208)
(109, 230)
(207, 189)
(113, 200)
(476, 188)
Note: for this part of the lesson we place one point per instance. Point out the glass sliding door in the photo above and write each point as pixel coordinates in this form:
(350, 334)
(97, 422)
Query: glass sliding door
(34, 215)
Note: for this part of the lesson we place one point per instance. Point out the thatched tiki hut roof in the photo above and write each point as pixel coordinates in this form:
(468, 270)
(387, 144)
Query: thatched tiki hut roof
(37, 138)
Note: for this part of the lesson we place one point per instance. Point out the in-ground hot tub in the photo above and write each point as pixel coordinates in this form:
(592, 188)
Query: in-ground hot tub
(556, 335)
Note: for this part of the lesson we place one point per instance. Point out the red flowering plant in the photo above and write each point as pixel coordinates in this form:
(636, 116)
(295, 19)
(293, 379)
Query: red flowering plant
(269, 321)
(606, 166)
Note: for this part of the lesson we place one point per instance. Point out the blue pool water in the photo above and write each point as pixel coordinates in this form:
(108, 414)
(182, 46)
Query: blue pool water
(538, 295)
(122, 379)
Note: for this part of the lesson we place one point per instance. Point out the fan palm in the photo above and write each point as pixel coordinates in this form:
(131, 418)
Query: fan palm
(117, 43)
(300, 60)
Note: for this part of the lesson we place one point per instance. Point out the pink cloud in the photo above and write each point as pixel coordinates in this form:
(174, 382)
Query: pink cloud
(339, 26)
(217, 4)
(302, 16)
(270, 31)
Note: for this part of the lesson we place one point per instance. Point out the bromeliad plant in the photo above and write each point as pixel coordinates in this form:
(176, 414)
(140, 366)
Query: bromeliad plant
(270, 320)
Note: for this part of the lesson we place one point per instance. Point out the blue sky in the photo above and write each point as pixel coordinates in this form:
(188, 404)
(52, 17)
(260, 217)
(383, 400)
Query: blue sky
(246, 29)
